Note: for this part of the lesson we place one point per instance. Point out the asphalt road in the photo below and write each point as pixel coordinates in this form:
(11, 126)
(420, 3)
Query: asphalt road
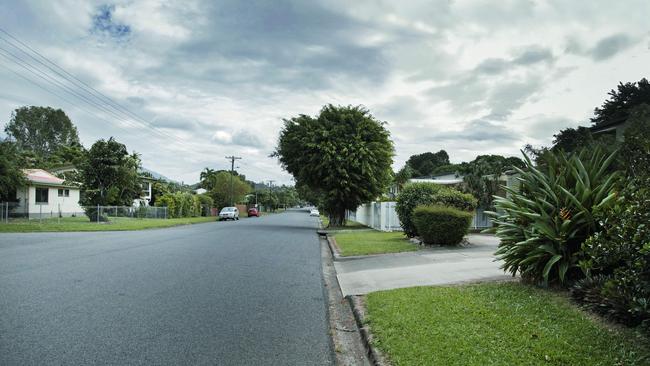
(226, 293)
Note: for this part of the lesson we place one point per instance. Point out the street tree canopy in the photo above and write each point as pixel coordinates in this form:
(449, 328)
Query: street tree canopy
(109, 176)
(344, 153)
(218, 184)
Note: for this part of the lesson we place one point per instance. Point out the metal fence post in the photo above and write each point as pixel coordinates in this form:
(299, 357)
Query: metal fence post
(98, 214)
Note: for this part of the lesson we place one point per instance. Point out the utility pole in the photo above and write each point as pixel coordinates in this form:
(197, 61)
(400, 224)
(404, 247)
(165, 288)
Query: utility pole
(270, 198)
(232, 174)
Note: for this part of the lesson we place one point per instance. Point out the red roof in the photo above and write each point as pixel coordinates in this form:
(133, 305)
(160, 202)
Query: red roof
(41, 176)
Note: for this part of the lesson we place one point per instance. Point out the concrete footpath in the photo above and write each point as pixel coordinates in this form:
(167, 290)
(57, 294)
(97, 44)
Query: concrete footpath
(430, 266)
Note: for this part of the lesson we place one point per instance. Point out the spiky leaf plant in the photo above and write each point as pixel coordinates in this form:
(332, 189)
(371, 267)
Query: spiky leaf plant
(543, 222)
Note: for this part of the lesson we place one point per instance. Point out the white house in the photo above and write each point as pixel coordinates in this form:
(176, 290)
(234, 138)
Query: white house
(146, 183)
(45, 195)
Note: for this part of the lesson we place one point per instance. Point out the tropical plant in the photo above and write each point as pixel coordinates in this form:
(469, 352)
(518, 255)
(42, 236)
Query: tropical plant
(441, 225)
(617, 262)
(417, 194)
(544, 222)
(481, 176)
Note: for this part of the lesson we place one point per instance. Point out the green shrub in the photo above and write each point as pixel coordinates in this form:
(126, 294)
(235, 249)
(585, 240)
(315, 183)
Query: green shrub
(206, 202)
(543, 224)
(417, 194)
(168, 200)
(621, 252)
(441, 225)
(181, 204)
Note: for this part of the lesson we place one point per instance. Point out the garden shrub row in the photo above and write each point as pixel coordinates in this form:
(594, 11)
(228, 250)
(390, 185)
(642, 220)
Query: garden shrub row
(429, 194)
(180, 204)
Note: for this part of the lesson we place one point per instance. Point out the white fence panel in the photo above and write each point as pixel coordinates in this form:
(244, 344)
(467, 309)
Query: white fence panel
(382, 216)
(377, 215)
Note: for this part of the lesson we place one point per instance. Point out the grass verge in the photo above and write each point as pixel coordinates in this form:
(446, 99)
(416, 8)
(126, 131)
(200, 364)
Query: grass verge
(372, 242)
(349, 224)
(495, 324)
(83, 224)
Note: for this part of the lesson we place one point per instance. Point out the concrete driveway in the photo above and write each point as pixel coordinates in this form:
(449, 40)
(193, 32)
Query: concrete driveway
(430, 266)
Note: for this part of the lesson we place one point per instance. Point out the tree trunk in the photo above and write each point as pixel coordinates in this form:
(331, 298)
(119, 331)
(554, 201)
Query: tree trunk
(337, 218)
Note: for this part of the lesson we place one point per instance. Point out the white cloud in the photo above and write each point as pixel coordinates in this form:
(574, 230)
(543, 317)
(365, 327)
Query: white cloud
(212, 77)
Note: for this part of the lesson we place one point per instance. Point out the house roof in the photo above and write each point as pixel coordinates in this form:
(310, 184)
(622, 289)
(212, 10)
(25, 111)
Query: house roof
(40, 176)
(609, 124)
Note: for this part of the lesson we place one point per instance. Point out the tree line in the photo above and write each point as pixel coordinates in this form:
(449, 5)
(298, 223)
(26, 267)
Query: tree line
(108, 174)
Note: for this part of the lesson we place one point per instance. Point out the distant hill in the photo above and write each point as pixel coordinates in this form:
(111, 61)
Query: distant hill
(156, 175)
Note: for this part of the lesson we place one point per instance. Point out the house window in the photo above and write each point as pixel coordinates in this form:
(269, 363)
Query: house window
(42, 195)
(64, 192)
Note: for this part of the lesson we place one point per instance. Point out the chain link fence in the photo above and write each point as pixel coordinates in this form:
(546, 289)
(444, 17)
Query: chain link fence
(14, 211)
(106, 213)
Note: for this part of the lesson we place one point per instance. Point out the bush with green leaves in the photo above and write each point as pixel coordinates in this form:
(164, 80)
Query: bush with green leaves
(441, 225)
(168, 200)
(180, 204)
(617, 260)
(417, 194)
(206, 203)
(543, 224)
(619, 256)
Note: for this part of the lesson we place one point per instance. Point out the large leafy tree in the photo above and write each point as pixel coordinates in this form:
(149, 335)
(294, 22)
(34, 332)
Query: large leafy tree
(43, 131)
(219, 186)
(427, 163)
(344, 153)
(11, 177)
(109, 176)
(622, 100)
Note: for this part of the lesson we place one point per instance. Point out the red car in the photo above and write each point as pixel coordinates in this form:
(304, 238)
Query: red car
(253, 212)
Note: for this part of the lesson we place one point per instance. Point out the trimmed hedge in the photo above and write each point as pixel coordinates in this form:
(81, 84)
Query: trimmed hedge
(441, 225)
(416, 194)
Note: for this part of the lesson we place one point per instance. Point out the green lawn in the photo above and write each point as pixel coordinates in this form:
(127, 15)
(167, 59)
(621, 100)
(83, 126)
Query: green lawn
(349, 224)
(372, 242)
(83, 224)
(495, 324)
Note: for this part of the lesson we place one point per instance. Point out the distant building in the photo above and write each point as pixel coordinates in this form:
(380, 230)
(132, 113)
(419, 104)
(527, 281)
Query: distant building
(147, 178)
(45, 195)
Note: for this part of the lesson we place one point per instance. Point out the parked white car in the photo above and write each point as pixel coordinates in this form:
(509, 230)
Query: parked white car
(314, 212)
(229, 213)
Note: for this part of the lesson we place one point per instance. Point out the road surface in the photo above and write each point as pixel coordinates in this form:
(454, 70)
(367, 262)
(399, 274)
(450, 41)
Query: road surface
(226, 293)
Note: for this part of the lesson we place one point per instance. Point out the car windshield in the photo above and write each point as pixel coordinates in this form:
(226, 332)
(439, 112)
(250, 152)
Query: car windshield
(228, 209)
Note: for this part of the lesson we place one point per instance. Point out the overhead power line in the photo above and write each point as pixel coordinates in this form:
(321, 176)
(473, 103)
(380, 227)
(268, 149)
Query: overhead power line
(42, 67)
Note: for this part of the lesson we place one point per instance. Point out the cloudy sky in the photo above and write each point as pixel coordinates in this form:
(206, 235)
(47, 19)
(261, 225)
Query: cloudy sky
(207, 79)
